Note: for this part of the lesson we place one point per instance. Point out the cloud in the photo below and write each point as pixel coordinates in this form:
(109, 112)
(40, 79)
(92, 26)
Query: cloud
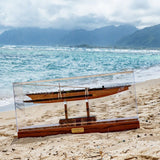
(87, 14)
(140, 5)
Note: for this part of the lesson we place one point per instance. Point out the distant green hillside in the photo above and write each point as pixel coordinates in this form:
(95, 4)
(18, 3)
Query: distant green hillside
(145, 38)
(105, 36)
(32, 36)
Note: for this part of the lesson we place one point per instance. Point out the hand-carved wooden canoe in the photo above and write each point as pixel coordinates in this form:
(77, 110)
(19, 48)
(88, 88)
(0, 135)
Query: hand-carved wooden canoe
(73, 95)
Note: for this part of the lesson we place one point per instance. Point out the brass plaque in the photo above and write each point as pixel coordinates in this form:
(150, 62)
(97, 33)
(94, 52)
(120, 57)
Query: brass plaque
(77, 130)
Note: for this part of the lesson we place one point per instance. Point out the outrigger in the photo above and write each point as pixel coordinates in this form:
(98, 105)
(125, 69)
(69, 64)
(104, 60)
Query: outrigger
(87, 124)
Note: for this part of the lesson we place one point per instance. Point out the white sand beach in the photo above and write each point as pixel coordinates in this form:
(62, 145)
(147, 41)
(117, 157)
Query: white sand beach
(143, 143)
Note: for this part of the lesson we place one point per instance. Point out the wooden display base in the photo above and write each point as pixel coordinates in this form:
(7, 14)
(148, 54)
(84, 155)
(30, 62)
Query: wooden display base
(120, 124)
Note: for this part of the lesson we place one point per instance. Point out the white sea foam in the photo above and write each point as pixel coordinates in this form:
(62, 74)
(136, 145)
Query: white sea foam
(142, 75)
(6, 104)
(6, 101)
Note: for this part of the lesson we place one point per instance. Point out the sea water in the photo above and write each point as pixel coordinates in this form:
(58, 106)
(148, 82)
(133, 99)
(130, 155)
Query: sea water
(28, 63)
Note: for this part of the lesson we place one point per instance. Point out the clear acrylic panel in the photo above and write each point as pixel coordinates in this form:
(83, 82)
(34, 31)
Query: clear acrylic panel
(42, 103)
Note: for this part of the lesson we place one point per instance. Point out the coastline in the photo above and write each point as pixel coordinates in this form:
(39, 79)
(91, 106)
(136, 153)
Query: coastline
(7, 100)
(142, 143)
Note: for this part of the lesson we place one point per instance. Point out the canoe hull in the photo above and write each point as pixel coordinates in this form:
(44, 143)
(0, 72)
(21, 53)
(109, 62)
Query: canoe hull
(73, 95)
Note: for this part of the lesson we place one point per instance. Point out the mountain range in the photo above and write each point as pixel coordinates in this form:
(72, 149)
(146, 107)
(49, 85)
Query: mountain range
(106, 36)
(148, 37)
(109, 36)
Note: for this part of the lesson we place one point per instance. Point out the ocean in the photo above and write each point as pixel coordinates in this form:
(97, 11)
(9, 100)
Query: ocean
(30, 63)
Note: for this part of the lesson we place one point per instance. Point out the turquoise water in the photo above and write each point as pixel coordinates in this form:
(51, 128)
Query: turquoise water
(27, 63)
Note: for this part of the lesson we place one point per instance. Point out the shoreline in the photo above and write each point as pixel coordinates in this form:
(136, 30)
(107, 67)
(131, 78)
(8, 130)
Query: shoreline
(141, 143)
(4, 108)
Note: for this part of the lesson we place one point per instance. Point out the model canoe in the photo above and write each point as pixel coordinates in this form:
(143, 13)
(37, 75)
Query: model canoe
(73, 95)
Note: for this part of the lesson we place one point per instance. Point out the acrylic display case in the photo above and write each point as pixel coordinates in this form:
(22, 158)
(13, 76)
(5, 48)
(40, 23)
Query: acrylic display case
(86, 104)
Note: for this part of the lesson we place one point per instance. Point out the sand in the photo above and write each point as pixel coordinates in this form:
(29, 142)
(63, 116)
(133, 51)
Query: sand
(143, 143)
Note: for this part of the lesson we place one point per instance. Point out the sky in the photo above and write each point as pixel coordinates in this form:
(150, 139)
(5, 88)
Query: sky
(75, 14)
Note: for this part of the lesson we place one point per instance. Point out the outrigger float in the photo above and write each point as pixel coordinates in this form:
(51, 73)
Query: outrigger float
(78, 125)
